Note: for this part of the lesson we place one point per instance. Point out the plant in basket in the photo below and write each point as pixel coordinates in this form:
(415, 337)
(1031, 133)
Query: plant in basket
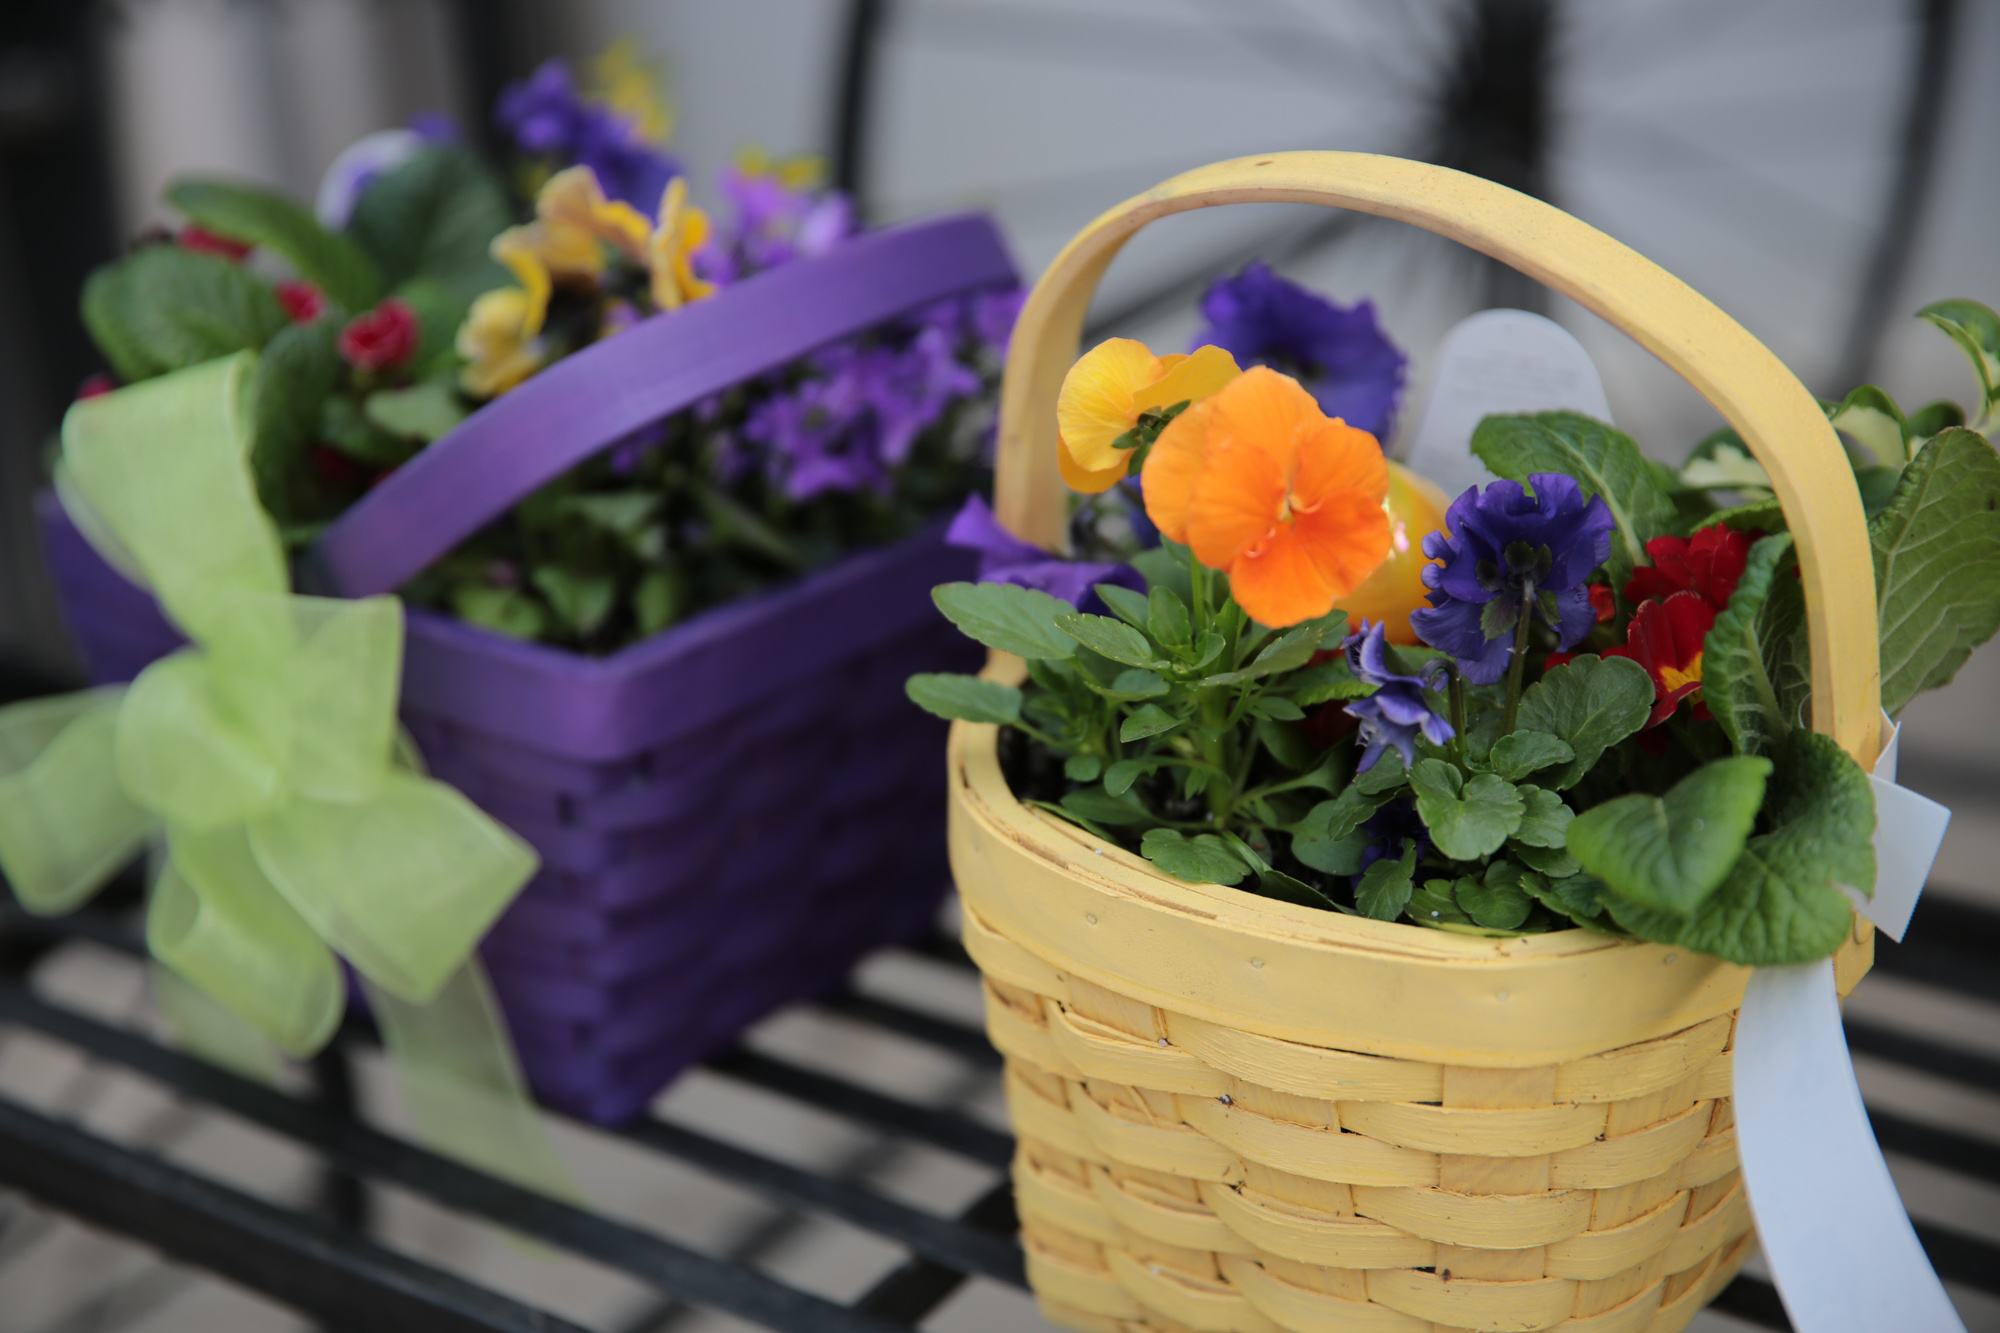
(661, 497)
(1367, 890)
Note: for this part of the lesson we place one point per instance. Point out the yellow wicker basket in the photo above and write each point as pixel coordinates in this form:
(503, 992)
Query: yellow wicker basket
(1239, 1114)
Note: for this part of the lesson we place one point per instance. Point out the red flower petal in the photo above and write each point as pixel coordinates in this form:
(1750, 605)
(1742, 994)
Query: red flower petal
(382, 339)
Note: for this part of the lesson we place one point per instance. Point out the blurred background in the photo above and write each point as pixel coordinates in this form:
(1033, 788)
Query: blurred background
(1819, 168)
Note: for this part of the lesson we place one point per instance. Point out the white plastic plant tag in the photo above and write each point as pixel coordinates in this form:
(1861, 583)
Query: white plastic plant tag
(1839, 1244)
(1497, 361)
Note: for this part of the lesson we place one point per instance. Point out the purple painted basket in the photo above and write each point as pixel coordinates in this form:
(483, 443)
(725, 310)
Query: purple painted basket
(728, 814)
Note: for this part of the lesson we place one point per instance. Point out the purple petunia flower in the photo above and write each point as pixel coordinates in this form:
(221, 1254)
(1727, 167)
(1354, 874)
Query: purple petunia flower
(1341, 357)
(547, 117)
(1393, 715)
(1511, 546)
(1005, 558)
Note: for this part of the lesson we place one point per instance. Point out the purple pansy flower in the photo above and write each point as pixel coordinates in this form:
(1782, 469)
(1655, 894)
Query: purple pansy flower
(1509, 545)
(1392, 716)
(547, 117)
(1390, 830)
(1005, 558)
(1340, 356)
(771, 224)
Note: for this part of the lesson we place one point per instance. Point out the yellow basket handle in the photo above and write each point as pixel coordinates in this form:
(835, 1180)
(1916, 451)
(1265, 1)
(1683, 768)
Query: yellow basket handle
(1779, 420)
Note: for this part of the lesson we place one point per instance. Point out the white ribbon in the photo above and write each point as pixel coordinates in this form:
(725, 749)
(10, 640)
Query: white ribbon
(1839, 1244)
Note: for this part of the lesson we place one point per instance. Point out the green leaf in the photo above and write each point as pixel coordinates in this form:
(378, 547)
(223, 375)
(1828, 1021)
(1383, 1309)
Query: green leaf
(1726, 467)
(1670, 853)
(1499, 901)
(1113, 638)
(1436, 903)
(163, 308)
(582, 600)
(623, 514)
(1603, 461)
(1780, 903)
(347, 428)
(1590, 703)
(1132, 684)
(1546, 819)
(263, 217)
(1166, 566)
(1105, 808)
(1516, 755)
(1384, 888)
(1083, 768)
(1334, 820)
(1147, 720)
(1013, 619)
(1129, 606)
(1287, 744)
(657, 601)
(1935, 418)
(1202, 859)
(299, 368)
(969, 698)
(733, 523)
(1167, 618)
(506, 611)
(434, 217)
(1976, 330)
(1278, 708)
(1118, 779)
(1324, 682)
(1277, 884)
(1335, 856)
(1291, 651)
(1468, 819)
(1554, 862)
(1740, 650)
(1385, 776)
(1937, 565)
(427, 411)
(1758, 516)
(1873, 420)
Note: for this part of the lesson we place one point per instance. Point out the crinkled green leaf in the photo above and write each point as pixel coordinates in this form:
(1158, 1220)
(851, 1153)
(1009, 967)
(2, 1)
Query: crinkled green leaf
(1202, 859)
(163, 308)
(1112, 638)
(1740, 650)
(949, 694)
(434, 217)
(300, 366)
(258, 216)
(1468, 818)
(1670, 853)
(1545, 820)
(1937, 565)
(1590, 703)
(1604, 461)
(1520, 753)
(1147, 720)
(1383, 890)
(1013, 619)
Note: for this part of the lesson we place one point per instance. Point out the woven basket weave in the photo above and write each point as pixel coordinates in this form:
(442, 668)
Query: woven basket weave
(1240, 1114)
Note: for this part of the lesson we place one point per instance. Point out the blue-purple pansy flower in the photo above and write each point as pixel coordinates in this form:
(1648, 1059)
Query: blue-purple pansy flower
(1393, 716)
(1513, 548)
(1340, 355)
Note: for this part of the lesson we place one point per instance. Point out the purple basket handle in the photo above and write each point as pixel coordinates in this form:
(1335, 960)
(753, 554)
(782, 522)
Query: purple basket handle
(589, 401)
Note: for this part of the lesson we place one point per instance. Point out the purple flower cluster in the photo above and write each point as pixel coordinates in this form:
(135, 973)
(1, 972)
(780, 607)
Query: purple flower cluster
(547, 117)
(1005, 558)
(859, 410)
(1340, 356)
(770, 224)
(1392, 717)
(1513, 550)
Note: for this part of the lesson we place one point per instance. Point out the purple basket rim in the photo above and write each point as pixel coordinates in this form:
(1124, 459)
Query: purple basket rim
(594, 398)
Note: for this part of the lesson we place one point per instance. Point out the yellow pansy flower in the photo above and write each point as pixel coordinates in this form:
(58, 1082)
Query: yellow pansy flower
(1110, 388)
(571, 204)
(682, 230)
(498, 340)
(630, 85)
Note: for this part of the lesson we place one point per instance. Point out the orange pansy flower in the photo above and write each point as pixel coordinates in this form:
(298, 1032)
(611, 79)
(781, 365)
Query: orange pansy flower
(1110, 388)
(1264, 487)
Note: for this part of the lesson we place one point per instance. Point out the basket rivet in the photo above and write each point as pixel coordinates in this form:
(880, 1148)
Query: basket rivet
(1091, 917)
(1669, 958)
(1501, 996)
(1226, 1099)
(1165, 1042)
(1098, 850)
(1256, 962)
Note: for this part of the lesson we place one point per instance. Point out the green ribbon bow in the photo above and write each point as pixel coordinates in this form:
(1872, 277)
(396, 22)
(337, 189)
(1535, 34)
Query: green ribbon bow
(297, 827)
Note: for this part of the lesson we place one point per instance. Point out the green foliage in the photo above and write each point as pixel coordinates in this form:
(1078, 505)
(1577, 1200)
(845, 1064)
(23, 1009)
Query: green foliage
(1873, 420)
(1468, 817)
(1545, 819)
(1202, 859)
(426, 411)
(1670, 853)
(257, 216)
(163, 308)
(1384, 890)
(969, 698)
(1499, 900)
(1517, 755)
(1604, 461)
(1744, 651)
(1590, 704)
(1976, 330)
(1013, 619)
(1114, 639)
(434, 217)
(300, 367)
(1937, 565)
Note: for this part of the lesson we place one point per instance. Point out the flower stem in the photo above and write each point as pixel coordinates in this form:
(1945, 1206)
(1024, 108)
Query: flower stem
(1518, 666)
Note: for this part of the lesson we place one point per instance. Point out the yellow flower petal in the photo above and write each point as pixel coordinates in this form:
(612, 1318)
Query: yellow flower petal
(683, 229)
(1096, 405)
(1189, 379)
(497, 342)
(571, 205)
(1079, 478)
(517, 249)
